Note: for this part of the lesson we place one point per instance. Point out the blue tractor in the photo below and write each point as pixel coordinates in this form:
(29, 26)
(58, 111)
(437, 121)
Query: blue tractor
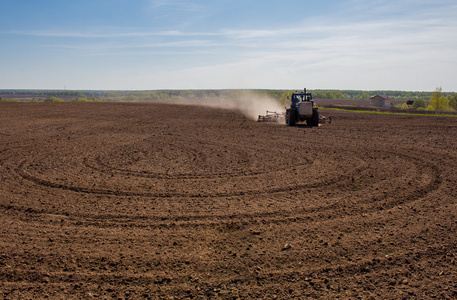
(302, 109)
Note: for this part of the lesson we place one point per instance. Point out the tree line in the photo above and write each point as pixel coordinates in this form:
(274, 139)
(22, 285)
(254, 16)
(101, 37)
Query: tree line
(436, 100)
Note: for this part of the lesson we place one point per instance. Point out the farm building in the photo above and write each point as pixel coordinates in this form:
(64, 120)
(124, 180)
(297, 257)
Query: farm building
(381, 101)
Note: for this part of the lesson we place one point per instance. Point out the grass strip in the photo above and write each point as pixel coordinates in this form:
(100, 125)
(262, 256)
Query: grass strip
(388, 113)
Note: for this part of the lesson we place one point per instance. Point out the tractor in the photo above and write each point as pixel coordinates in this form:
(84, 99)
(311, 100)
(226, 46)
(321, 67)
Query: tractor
(302, 109)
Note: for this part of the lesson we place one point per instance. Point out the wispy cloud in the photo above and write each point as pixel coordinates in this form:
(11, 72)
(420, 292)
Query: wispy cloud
(173, 4)
(345, 34)
(111, 32)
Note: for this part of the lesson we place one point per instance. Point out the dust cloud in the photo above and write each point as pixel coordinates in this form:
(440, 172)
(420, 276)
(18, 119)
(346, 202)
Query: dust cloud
(249, 104)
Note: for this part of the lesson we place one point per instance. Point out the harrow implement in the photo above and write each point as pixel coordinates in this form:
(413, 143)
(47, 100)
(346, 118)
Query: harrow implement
(271, 116)
(324, 119)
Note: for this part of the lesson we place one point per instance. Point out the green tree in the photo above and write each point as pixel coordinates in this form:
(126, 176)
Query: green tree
(453, 102)
(53, 99)
(363, 96)
(419, 104)
(438, 101)
(285, 98)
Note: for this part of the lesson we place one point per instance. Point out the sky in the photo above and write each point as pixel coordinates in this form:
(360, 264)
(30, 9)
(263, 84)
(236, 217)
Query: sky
(228, 44)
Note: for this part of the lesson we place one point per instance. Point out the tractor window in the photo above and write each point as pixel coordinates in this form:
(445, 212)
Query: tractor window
(297, 98)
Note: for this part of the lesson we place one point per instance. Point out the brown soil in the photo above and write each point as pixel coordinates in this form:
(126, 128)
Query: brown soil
(154, 201)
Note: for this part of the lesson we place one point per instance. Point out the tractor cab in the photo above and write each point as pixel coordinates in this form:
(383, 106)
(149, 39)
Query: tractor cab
(298, 97)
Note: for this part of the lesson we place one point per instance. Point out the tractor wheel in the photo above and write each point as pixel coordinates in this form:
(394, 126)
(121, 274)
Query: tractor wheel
(315, 118)
(290, 117)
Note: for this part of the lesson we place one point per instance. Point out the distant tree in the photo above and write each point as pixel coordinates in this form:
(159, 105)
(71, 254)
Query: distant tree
(453, 102)
(67, 93)
(404, 106)
(419, 104)
(363, 96)
(284, 100)
(53, 99)
(438, 101)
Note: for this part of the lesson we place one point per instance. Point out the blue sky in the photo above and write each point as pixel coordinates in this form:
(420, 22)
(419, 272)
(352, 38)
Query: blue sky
(225, 44)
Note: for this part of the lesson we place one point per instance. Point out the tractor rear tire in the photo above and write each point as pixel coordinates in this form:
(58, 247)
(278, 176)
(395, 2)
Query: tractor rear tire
(291, 117)
(314, 121)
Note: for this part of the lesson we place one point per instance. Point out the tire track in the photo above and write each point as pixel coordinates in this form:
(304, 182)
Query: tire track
(276, 215)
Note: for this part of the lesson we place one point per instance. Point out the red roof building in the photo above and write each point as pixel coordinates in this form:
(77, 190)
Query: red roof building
(381, 101)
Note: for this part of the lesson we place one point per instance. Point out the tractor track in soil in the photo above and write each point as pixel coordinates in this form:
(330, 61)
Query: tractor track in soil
(133, 201)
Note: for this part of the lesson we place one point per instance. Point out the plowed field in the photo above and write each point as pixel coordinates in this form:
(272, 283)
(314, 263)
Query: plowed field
(155, 201)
